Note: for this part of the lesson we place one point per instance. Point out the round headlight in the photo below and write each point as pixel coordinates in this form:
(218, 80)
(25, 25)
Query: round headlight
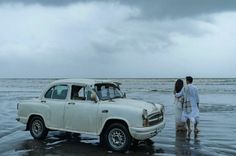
(145, 114)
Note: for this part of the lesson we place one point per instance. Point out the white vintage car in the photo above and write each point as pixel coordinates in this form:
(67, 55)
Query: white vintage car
(94, 107)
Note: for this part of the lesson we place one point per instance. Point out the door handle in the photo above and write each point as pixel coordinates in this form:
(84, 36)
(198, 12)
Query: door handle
(71, 103)
(104, 111)
(43, 101)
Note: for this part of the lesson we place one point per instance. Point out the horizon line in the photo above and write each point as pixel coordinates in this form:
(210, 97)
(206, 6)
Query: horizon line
(115, 77)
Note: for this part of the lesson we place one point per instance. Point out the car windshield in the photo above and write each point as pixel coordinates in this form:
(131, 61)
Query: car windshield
(108, 91)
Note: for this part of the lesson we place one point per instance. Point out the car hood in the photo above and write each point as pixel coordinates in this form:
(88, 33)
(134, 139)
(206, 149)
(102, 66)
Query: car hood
(150, 107)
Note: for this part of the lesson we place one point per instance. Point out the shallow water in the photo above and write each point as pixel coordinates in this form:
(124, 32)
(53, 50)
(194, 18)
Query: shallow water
(217, 121)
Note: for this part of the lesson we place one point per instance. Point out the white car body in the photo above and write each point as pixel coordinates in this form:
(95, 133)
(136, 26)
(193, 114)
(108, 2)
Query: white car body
(91, 116)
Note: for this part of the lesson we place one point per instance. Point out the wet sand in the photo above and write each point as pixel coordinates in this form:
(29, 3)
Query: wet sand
(217, 136)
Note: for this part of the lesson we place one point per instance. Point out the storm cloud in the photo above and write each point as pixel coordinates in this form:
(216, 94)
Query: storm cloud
(152, 8)
(81, 38)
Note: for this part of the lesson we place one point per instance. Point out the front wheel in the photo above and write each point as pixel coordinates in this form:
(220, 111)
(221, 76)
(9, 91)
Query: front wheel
(117, 137)
(37, 128)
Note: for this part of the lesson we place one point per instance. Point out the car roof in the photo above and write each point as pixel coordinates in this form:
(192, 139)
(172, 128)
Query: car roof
(84, 81)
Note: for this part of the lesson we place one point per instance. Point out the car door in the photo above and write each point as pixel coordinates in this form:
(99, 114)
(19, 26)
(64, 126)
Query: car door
(81, 112)
(56, 98)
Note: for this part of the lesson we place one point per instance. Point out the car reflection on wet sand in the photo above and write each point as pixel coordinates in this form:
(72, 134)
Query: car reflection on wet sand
(61, 143)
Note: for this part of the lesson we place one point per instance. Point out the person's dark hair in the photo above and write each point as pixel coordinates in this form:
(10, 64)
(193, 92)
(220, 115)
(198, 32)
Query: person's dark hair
(189, 79)
(179, 84)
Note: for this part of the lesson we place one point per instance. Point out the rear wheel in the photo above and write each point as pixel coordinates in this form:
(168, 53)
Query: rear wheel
(117, 137)
(37, 128)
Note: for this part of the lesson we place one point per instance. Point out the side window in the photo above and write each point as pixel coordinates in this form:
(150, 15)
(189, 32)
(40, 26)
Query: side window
(48, 94)
(88, 93)
(59, 92)
(78, 93)
(81, 93)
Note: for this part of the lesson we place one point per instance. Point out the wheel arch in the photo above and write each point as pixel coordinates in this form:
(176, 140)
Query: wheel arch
(30, 118)
(108, 122)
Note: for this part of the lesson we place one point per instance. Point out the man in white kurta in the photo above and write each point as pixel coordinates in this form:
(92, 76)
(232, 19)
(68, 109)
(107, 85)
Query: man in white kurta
(190, 93)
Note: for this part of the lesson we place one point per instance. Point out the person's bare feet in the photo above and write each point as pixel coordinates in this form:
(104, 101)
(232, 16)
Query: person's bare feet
(196, 130)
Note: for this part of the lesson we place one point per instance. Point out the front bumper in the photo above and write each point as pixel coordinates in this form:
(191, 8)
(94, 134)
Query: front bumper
(146, 132)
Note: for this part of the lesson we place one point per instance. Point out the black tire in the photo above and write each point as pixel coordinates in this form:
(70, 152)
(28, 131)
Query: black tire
(37, 128)
(102, 139)
(117, 138)
(135, 142)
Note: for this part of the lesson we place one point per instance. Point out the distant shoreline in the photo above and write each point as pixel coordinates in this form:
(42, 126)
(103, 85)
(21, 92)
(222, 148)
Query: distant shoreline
(43, 78)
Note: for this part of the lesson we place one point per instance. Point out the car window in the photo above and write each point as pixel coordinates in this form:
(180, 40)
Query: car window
(107, 91)
(78, 92)
(88, 93)
(48, 95)
(60, 92)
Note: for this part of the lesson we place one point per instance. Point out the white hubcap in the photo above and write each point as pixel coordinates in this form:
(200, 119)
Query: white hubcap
(117, 138)
(37, 127)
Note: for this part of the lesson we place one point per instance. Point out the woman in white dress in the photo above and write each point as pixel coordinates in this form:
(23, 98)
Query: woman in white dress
(180, 126)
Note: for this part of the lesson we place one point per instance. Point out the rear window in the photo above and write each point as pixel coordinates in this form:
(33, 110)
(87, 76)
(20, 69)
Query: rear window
(57, 92)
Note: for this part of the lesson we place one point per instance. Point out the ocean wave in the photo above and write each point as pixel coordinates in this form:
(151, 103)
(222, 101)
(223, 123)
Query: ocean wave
(205, 107)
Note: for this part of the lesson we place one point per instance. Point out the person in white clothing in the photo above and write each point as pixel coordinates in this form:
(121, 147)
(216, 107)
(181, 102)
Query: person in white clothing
(190, 104)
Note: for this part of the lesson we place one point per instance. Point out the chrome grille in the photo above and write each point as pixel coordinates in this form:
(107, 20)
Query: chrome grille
(155, 118)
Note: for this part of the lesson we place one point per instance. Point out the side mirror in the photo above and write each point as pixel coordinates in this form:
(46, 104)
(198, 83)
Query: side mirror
(94, 97)
(124, 95)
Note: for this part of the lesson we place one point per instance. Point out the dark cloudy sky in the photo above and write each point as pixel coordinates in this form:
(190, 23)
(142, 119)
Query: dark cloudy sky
(117, 38)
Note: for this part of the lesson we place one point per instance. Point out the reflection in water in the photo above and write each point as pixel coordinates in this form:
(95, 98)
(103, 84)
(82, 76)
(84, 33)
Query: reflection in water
(59, 143)
(145, 147)
(183, 145)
